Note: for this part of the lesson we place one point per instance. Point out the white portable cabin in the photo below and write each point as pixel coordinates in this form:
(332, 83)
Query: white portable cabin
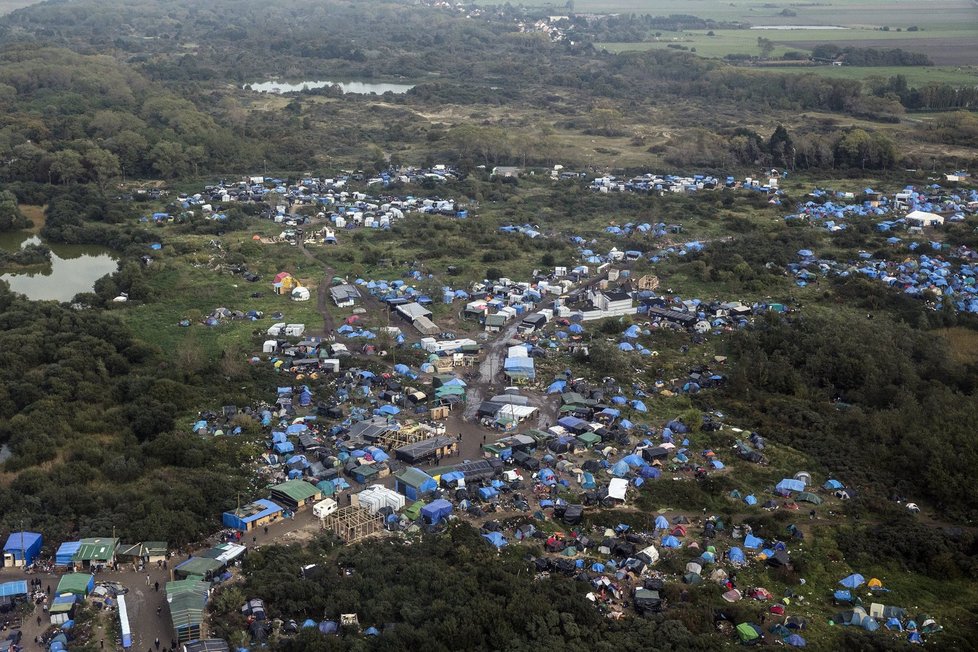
(324, 508)
(276, 329)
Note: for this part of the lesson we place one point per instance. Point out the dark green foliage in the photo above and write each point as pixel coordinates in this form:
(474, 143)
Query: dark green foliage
(11, 218)
(854, 56)
(870, 399)
(451, 592)
(74, 393)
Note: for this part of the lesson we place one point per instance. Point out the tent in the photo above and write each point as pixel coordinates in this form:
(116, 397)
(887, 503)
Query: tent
(752, 543)
(748, 633)
(736, 556)
(854, 581)
(809, 497)
(670, 541)
(790, 484)
(795, 641)
(496, 539)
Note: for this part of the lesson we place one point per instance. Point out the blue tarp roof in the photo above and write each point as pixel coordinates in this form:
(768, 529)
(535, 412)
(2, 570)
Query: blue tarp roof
(496, 539)
(10, 589)
(854, 581)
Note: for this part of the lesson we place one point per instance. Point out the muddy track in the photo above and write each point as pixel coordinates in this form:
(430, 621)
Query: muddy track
(322, 291)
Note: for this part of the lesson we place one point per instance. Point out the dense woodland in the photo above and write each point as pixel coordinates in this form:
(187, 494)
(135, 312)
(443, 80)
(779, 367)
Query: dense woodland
(445, 593)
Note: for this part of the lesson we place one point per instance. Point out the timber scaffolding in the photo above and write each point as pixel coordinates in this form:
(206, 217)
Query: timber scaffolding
(352, 524)
(408, 434)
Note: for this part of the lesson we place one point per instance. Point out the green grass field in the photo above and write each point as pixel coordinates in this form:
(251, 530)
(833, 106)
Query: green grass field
(945, 46)
(934, 14)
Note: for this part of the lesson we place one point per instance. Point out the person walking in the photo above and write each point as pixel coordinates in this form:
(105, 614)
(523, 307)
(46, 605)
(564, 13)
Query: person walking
(156, 585)
(266, 529)
(147, 579)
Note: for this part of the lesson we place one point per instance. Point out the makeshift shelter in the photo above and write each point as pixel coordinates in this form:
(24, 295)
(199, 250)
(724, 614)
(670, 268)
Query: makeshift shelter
(76, 583)
(295, 494)
(255, 515)
(21, 549)
(436, 511)
(415, 483)
(749, 634)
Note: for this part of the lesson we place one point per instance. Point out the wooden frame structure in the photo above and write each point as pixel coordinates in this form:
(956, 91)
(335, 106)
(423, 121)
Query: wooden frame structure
(351, 524)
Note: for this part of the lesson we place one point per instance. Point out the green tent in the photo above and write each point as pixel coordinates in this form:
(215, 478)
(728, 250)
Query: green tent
(414, 511)
(747, 633)
(808, 497)
(77, 583)
(589, 439)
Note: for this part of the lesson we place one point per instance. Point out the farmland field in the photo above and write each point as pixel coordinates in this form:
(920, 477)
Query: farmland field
(944, 47)
(935, 14)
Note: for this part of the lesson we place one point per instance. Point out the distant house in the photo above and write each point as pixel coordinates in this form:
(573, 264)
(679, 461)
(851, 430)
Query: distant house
(612, 301)
(295, 494)
(426, 450)
(418, 316)
(415, 483)
(96, 552)
(495, 323)
(345, 295)
(506, 171)
(21, 549)
(255, 515)
(149, 552)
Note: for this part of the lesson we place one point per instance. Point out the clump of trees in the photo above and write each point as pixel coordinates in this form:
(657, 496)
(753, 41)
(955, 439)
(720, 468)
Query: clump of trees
(865, 397)
(855, 56)
(450, 592)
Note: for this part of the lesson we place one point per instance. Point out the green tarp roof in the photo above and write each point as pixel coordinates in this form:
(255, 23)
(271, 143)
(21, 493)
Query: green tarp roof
(187, 585)
(414, 477)
(589, 438)
(186, 610)
(76, 583)
(297, 490)
(198, 566)
(414, 511)
(96, 549)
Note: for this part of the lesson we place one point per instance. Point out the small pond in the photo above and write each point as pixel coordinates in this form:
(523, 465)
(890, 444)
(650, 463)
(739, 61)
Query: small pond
(72, 269)
(355, 87)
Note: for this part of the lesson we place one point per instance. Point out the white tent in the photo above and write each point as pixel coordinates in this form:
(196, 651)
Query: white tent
(300, 294)
(616, 488)
(651, 553)
(923, 218)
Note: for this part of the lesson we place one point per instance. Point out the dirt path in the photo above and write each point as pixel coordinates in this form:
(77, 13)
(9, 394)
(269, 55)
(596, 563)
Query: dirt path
(322, 291)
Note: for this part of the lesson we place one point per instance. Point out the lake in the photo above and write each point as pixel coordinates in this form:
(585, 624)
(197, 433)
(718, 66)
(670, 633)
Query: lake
(357, 88)
(73, 269)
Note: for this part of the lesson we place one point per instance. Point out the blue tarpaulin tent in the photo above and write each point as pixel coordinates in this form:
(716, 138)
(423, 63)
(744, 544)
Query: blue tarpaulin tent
(436, 511)
(854, 581)
(752, 543)
(496, 539)
(790, 484)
